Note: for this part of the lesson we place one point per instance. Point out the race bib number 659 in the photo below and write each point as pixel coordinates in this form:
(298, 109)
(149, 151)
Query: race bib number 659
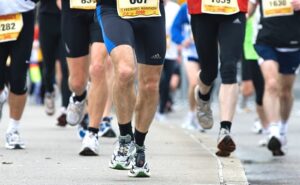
(223, 7)
(83, 4)
(129, 9)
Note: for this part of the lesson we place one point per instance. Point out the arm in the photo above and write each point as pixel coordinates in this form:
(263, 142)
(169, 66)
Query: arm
(252, 4)
(296, 5)
(177, 26)
(58, 3)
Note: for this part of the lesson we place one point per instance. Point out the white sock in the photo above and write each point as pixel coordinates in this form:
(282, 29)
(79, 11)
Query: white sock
(283, 127)
(13, 125)
(274, 129)
(266, 130)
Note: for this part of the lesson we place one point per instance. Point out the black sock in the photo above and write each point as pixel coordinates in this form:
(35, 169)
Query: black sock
(226, 125)
(126, 129)
(139, 137)
(80, 98)
(205, 97)
(93, 130)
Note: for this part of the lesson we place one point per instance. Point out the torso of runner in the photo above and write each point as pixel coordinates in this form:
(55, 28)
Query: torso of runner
(219, 7)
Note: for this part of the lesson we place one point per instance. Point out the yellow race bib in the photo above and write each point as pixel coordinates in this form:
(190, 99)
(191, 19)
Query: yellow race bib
(224, 7)
(10, 27)
(83, 4)
(128, 9)
(272, 8)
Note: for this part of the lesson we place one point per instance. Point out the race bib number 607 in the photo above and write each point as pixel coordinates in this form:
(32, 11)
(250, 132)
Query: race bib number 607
(129, 9)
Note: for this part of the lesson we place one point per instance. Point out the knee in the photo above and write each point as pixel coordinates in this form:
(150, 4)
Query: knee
(286, 93)
(77, 84)
(228, 73)
(97, 71)
(271, 86)
(125, 74)
(150, 86)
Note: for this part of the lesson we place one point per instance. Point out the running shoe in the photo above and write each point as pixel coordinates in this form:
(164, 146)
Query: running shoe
(274, 145)
(106, 129)
(83, 127)
(4, 93)
(49, 103)
(123, 154)
(14, 141)
(140, 167)
(90, 145)
(75, 111)
(204, 112)
(226, 144)
(257, 127)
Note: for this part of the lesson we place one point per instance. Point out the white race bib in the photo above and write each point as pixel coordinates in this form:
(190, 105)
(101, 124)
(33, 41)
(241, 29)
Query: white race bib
(273, 8)
(129, 9)
(83, 4)
(224, 7)
(10, 27)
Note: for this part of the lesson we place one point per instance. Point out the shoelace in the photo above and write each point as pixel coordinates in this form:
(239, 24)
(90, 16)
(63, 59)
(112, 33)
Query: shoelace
(123, 149)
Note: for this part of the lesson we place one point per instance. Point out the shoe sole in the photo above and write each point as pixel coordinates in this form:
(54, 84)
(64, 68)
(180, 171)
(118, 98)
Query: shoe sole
(226, 147)
(15, 147)
(88, 152)
(118, 167)
(274, 146)
(140, 175)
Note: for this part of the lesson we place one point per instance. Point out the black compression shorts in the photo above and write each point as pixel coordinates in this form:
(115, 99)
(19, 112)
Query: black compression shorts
(79, 30)
(146, 35)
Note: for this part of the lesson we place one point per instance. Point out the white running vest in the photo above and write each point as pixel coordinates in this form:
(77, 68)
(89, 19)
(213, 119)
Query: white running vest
(15, 6)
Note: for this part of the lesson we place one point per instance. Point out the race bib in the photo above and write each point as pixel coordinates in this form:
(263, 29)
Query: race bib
(224, 7)
(273, 8)
(83, 4)
(10, 27)
(129, 9)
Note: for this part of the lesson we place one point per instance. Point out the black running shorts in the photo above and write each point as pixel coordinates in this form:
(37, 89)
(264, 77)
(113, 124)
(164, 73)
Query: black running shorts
(79, 30)
(146, 35)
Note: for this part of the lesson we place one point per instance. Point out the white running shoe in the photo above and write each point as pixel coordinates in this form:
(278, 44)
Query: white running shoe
(257, 127)
(204, 112)
(4, 96)
(140, 167)
(49, 102)
(123, 154)
(14, 141)
(75, 111)
(90, 145)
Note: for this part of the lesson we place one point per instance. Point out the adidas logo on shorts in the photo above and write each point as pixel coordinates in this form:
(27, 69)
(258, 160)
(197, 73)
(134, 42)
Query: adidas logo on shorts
(156, 57)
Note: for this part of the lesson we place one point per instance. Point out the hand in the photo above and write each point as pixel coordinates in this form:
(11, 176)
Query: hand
(58, 4)
(296, 4)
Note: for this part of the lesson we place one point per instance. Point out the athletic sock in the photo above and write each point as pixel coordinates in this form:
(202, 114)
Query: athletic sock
(13, 125)
(205, 97)
(80, 98)
(126, 129)
(274, 129)
(283, 127)
(226, 125)
(93, 130)
(139, 137)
